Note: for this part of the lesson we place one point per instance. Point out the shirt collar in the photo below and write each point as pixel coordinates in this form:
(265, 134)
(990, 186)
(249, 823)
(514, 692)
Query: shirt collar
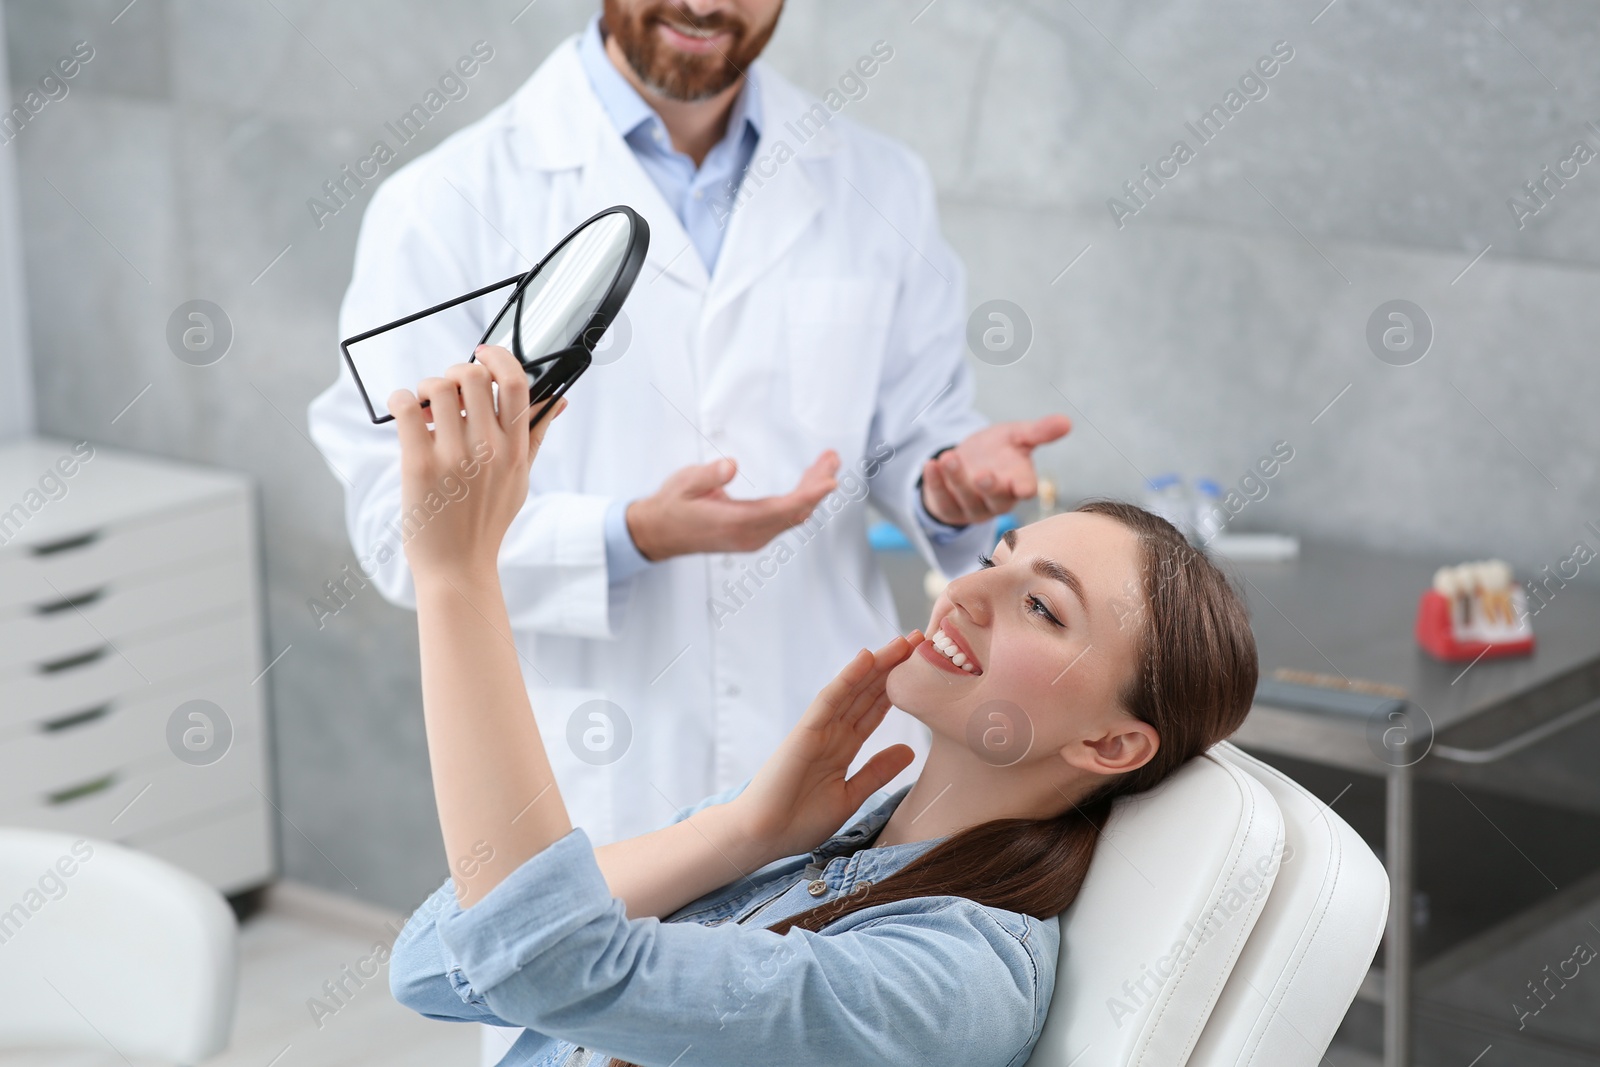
(629, 111)
(853, 838)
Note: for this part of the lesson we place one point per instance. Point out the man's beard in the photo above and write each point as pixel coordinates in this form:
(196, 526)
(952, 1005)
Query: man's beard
(678, 75)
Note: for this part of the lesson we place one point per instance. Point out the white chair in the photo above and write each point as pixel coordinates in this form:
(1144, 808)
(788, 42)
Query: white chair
(1227, 919)
(101, 945)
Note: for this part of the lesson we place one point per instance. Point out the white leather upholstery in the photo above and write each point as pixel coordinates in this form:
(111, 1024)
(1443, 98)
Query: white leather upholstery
(1311, 946)
(100, 944)
(1178, 878)
(1267, 980)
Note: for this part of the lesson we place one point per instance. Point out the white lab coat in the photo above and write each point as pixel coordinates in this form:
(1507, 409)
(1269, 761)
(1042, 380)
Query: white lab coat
(835, 319)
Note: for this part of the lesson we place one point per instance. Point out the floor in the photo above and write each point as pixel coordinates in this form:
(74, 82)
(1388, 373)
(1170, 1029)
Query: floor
(301, 939)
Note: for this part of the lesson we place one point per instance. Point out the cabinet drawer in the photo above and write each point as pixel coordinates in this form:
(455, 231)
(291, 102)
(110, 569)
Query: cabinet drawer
(143, 795)
(54, 630)
(231, 852)
(69, 566)
(89, 743)
(203, 647)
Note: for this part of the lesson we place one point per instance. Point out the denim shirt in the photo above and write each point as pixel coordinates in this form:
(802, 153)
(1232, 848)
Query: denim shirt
(927, 981)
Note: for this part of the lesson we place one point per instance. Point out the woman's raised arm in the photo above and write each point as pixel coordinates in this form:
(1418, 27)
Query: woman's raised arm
(462, 482)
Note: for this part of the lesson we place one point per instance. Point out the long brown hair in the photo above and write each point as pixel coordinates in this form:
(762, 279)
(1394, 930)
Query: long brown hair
(1194, 680)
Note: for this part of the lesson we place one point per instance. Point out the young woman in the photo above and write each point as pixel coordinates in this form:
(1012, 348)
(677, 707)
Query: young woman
(790, 920)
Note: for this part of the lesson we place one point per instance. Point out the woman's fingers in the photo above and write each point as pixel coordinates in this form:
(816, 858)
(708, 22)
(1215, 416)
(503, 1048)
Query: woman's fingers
(875, 678)
(512, 381)
(475, 381)
(412, 425)
(444, 405)
(877, 772)
(536, 435)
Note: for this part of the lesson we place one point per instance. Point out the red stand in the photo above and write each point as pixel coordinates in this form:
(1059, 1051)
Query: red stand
(1437, 636)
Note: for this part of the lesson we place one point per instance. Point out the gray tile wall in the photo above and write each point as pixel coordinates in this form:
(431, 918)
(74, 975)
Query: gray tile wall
(1226, 314)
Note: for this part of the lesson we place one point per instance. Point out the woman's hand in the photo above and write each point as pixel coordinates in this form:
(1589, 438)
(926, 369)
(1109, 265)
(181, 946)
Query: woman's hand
(463, 481)
(801, 796)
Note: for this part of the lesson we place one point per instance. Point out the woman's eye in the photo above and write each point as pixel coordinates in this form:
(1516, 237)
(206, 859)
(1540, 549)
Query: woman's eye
(1040, 608)
(985, 561)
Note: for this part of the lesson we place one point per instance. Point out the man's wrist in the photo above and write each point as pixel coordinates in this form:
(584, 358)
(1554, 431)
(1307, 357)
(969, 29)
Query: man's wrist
(633, 520)
(925, 513)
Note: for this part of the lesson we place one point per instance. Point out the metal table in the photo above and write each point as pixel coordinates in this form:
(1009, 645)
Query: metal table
(1347, 613)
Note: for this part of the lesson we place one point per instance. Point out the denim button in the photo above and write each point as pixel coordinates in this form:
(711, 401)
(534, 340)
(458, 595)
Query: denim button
(817, 888)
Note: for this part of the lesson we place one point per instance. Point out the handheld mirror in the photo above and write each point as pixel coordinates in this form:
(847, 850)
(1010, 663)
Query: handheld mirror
(557, 312)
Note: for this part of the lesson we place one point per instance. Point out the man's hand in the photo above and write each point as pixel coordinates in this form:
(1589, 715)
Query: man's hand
(987, 474)
(691, 512)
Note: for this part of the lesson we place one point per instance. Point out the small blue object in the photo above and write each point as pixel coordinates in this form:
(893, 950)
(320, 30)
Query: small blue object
(1208, 487)
(885, 536)
(1163, 481)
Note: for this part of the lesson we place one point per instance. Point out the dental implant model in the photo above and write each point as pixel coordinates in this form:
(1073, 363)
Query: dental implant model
(1474, 610)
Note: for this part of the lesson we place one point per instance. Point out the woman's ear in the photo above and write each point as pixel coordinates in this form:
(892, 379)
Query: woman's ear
(1125, 746)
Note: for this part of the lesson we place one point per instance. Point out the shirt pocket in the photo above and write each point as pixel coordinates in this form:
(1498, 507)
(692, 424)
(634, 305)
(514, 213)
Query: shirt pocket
(836, 331)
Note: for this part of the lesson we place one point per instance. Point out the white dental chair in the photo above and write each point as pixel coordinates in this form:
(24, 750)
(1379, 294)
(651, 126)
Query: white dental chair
(103, 946)
(1227, 919)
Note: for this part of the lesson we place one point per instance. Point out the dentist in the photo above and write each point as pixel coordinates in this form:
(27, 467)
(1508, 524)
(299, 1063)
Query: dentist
(691, 565)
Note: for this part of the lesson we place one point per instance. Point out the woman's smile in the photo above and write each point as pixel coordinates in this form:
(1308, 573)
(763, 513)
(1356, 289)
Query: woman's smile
(950, 650)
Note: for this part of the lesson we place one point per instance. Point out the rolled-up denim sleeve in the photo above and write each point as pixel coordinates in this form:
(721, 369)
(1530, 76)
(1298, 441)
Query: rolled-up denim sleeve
(931, 981)
(419, 967)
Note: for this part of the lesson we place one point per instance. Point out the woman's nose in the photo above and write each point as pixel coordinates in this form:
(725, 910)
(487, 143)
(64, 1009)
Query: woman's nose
(972, 596)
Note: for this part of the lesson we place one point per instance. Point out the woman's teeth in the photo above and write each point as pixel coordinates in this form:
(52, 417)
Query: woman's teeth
(951, 652)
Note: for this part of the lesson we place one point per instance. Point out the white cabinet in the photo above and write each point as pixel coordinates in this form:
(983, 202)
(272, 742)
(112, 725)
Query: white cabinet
(131, 688)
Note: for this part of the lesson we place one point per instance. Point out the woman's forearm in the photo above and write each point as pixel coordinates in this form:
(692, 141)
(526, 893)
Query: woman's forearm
(657, 873)
(498, 800)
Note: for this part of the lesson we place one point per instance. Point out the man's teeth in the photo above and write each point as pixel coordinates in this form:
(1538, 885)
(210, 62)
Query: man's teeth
(690, 32)
(943, 643)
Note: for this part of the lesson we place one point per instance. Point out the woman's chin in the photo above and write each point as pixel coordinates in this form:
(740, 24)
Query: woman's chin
(916, 688)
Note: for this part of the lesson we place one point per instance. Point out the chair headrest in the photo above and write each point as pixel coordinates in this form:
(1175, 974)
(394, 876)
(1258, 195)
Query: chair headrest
(1180, 875)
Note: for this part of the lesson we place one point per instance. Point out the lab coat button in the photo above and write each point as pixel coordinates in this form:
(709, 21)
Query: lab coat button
(817, 888)
(727, 563)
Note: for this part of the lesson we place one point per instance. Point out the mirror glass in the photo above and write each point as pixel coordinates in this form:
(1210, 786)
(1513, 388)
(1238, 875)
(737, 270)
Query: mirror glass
(557, 303)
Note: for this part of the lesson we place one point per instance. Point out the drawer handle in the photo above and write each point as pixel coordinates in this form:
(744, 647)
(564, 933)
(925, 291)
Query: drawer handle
(77, 718)
(78, 660)
(66, 544)
(66, 602)
(77, 792)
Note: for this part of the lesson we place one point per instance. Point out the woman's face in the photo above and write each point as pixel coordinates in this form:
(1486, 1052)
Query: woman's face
(1047, 634)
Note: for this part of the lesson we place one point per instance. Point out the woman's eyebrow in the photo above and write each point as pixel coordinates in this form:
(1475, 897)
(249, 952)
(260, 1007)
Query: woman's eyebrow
(1050, 569)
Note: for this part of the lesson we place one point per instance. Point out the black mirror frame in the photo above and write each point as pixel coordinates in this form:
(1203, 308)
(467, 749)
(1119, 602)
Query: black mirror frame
(570, 362)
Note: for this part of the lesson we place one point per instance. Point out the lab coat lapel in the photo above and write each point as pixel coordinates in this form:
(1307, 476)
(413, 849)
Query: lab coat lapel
(563, 126)
(777, 200)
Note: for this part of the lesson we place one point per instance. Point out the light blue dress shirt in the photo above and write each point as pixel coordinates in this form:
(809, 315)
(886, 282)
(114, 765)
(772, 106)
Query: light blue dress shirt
(930, 982)
(702, 198)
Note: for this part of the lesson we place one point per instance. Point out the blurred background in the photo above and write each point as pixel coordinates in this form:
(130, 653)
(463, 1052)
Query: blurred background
(1190, 330)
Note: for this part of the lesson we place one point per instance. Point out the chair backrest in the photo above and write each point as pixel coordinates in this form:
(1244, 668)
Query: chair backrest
(1312, 945)
(1178, 879)
(100, 944)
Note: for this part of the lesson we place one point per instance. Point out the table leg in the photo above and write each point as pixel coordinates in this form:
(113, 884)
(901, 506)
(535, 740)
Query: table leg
(1397, 956)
